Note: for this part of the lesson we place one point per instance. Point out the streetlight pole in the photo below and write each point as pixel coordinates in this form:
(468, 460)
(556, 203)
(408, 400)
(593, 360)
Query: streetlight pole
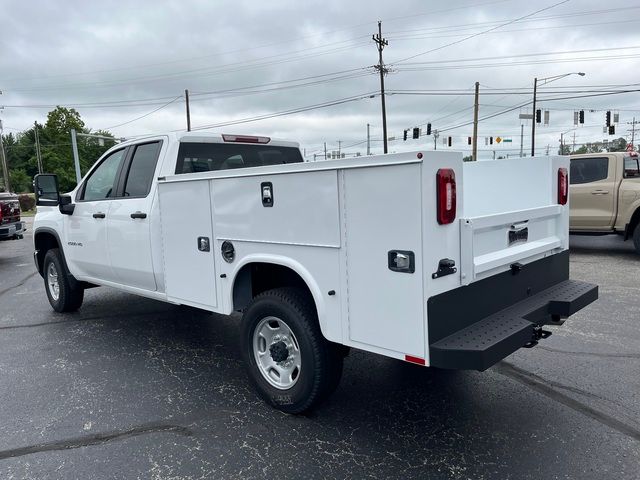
(533, 116)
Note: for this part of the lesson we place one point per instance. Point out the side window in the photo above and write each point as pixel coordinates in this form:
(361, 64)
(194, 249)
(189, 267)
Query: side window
(100, 184)
(631, 167)
(141, 169)
(587, 170)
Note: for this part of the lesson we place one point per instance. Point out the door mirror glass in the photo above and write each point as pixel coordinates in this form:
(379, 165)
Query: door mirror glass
(45, 186)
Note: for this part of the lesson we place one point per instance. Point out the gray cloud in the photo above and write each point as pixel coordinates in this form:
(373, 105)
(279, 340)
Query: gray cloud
(79, 52)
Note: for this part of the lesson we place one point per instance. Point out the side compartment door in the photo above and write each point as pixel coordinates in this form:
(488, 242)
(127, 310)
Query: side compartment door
(592, 193)
(86, 230)
(130, 216)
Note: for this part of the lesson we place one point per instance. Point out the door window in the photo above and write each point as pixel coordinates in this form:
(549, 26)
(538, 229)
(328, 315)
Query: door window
(141, 170)
(100, 184)
(631, 167)
(587, 170)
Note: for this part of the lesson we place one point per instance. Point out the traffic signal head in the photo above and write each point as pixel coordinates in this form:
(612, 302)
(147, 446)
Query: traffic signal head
(469, 140)
(449, 141)
(538, 116)
(608, 118)
(405, 135)
(428, 129)
(581, 116)
(491, 139)
(612, 129)
(416, 132)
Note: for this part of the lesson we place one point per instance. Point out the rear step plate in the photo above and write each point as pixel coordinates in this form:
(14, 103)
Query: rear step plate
(491, 339)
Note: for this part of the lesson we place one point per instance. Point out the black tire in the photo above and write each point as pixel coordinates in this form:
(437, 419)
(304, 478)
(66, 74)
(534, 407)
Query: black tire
(636, 238)
(67, 298)
(321, 361)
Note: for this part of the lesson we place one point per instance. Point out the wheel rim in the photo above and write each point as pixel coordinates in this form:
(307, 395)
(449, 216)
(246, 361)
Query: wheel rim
(52, 282)
(277, 353)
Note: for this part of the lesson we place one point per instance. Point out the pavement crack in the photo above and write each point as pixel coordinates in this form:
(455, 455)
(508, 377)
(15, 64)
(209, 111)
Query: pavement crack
(591, 354)
(545, 387)
(19, 284)
(95, 439)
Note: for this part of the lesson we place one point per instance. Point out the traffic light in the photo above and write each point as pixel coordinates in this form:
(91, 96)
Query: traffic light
(469, 140)
(581, 116)
(416, 132)
(612, 129)
(405, 134)
(449, 141)
(608, 118)
(491, 139)
(428, 129)
(538, 116)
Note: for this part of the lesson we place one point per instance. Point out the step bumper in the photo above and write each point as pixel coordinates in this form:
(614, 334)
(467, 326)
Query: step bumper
(486, 342)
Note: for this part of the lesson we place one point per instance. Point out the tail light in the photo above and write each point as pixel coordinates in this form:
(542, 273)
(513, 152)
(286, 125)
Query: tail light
(446, 195)
(563, 186)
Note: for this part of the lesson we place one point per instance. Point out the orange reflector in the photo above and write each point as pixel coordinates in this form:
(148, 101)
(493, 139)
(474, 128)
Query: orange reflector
(417, 360)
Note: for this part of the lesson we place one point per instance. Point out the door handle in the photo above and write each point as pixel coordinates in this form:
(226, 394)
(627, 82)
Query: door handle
(99, 215)
(138, 215)
(599, 192)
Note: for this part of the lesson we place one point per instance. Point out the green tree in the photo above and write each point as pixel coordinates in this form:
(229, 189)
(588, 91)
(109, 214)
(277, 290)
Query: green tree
(55, 147)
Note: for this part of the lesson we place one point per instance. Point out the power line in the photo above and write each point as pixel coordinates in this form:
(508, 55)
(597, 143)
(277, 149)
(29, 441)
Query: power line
(480, 33)
(142, 116)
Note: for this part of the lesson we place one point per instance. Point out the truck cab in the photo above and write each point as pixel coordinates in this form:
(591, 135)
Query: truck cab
(11, 226)
(605, 194)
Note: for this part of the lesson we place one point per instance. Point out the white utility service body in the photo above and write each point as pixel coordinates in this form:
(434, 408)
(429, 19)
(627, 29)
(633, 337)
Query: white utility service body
(386, 273)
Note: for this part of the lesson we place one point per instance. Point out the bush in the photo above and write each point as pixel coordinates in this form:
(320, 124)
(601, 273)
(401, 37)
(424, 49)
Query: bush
(27, 202)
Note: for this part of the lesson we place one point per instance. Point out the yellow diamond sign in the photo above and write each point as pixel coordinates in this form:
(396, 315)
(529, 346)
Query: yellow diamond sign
(498, 139)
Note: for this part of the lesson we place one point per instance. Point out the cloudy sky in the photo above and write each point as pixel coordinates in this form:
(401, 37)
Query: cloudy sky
(125, 65)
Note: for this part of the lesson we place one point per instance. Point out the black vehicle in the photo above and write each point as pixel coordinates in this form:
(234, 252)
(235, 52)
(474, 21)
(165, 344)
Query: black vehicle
(10, 224)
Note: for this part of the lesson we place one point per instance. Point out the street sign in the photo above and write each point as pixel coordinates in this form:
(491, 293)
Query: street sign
(506, 140)
(498, 139)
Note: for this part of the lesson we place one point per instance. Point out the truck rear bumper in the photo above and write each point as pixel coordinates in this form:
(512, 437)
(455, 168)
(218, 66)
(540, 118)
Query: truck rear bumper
(508, 312)
(484, 343)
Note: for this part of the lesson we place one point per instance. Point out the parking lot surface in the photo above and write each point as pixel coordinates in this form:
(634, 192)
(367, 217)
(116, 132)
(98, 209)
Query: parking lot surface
(134, 388)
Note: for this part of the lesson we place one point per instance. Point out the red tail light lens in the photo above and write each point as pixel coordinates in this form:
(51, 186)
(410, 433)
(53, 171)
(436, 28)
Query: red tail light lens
(446, 195)
(563, 186)
(245, 139)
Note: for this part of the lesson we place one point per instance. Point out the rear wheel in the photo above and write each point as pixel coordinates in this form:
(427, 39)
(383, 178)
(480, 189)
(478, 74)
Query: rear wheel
(636, 238)
(62, 296)
(290, 363)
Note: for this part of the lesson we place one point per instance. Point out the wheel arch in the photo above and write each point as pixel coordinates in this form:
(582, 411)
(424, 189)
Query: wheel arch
(258, 273)
(633, 223)
(44, 239)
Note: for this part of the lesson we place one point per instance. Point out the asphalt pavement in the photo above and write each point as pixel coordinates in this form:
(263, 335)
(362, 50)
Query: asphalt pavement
(134, 388)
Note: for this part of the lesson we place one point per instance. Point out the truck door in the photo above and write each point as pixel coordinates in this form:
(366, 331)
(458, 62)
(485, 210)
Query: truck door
(592, 192)
(130, 216)
(86, 230)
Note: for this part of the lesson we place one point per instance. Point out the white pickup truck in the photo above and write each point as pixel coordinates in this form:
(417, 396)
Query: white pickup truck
(415, 256)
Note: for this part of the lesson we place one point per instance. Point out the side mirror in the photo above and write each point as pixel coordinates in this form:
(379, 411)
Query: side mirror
(65, 206)
(45, 185)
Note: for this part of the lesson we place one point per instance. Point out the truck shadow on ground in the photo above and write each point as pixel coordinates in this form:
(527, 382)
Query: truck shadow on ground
(606, 245)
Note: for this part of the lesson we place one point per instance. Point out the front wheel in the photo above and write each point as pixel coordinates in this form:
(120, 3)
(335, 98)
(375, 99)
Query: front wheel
(636, 238)
(290, 363)
(62, 296)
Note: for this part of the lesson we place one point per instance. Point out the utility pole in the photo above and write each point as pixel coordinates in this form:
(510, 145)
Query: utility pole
(339, 147)
(574, 142)
(521, 140)
(76, 158)
(633, 130)
(186, 98)
(381, 43)
(368, 140)
(474, 152)
(5, 167)
(435, 139)
(562, 144)
(38, 155)
(325, 150)
(533, 118)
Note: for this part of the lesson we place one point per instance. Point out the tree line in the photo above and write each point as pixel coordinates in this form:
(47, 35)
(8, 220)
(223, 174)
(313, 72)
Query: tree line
(54, 137)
